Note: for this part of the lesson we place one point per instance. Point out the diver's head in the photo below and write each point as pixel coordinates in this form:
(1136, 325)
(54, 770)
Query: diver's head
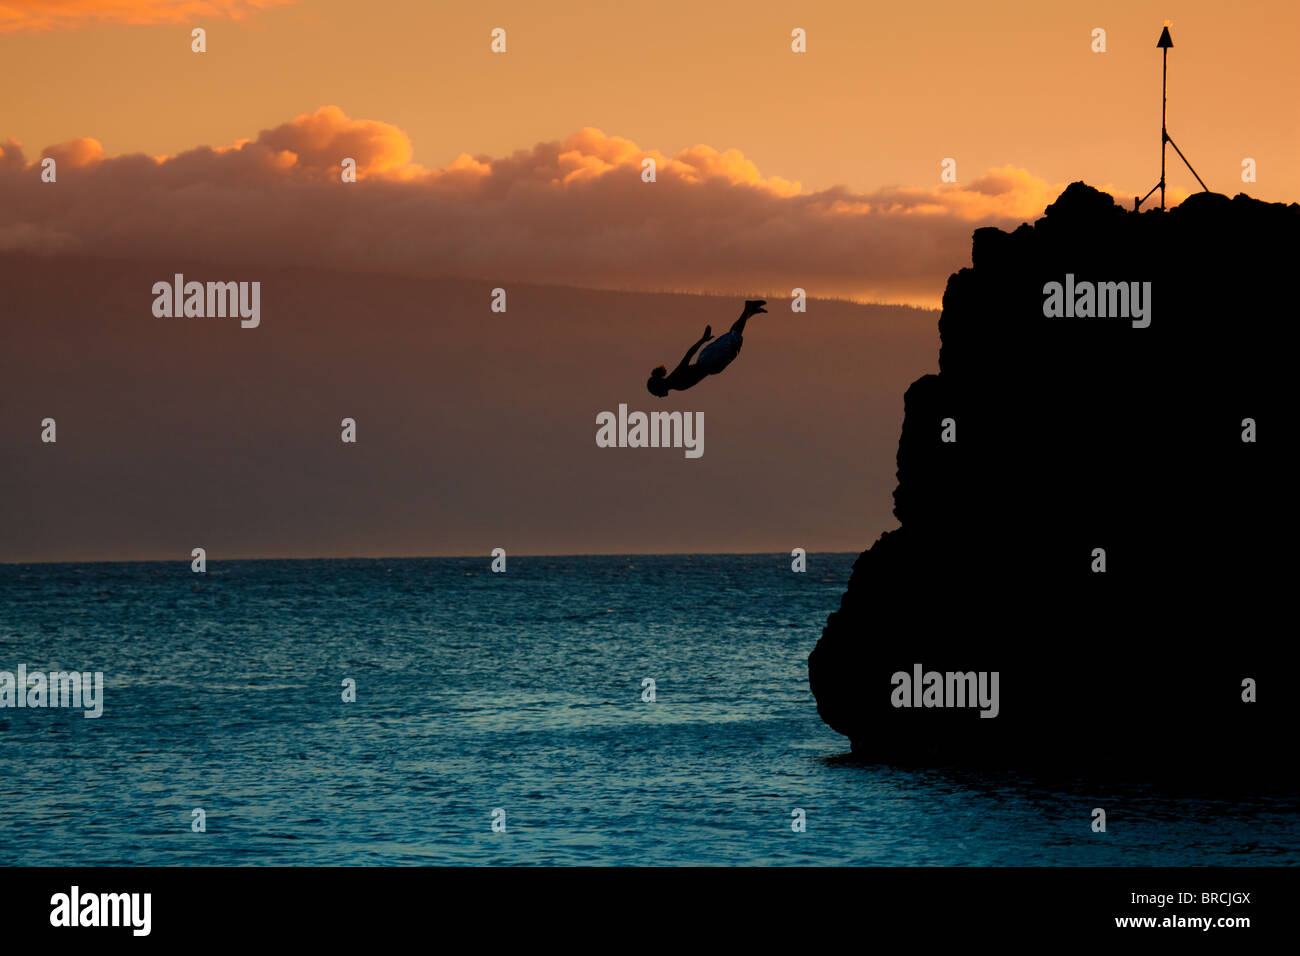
(657, 384)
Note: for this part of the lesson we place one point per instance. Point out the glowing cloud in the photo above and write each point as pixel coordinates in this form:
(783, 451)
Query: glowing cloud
(575, 212)
(38, 16)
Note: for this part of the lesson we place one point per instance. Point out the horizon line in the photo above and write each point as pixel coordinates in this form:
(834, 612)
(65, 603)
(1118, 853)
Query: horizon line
(395, 273)
(440, 557)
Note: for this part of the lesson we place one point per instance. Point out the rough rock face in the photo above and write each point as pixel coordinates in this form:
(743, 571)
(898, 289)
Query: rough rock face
(1075, 434)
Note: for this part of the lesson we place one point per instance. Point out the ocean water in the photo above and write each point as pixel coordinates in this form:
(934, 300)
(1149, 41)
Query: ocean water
(520, 691)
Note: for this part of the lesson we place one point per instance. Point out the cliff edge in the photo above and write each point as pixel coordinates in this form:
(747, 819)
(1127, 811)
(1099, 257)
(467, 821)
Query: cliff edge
(1089, 503)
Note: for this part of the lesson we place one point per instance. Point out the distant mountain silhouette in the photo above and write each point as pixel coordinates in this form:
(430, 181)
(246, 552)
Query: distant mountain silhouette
(1080, 433)
(475, 429)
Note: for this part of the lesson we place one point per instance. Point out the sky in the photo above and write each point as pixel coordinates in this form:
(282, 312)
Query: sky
(834, 155)
(882, 95)
(775, 170)
(474, 430)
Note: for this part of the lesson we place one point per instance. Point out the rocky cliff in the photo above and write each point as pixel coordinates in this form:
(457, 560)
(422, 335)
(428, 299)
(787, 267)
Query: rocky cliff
(1078, 509)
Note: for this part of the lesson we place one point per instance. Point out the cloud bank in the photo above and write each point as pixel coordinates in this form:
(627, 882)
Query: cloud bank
(575, 212)
(39, 16)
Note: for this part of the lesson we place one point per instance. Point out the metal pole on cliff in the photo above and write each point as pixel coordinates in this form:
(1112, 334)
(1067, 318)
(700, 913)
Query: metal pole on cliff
(1165, 42)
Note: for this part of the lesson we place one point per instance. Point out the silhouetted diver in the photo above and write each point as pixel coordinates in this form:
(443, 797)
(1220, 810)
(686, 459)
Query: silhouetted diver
(711, 361)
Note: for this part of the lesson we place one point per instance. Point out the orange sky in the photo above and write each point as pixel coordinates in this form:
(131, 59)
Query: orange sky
(833, 155)
(884, 92)
(776, 170)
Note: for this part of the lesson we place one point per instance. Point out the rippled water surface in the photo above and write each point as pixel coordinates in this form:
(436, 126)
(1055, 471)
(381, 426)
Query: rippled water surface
(520, 691)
